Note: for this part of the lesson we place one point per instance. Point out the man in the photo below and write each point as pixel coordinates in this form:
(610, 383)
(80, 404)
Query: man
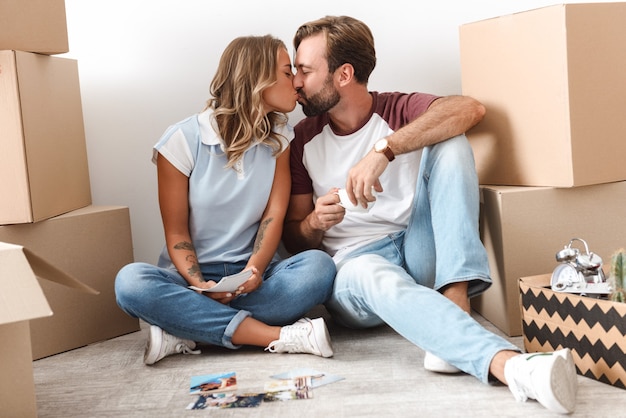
(414, 258)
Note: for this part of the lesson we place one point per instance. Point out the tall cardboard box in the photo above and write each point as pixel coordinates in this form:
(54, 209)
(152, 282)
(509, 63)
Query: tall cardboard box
(21, 300)
(43, 158)
(523, 228)
(552, 80)
(92, 244)
(34, 26)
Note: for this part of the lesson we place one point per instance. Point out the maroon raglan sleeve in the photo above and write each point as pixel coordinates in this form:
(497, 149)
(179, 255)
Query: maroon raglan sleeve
(304, 132)
(300, 181)
(398, 109)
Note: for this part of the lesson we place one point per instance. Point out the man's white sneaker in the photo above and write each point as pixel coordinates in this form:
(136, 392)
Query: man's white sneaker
(304, 336)
(550, 378)
(432, 363)
(161, 344)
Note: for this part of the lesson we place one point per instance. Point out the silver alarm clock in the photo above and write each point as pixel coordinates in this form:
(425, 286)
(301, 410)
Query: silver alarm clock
(578, 272)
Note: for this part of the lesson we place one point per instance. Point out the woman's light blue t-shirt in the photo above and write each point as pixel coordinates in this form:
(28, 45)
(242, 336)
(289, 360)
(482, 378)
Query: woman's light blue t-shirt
(225, 204)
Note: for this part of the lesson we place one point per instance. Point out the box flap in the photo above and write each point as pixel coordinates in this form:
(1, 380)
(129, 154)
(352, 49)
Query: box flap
(21, 297)
(47, 271)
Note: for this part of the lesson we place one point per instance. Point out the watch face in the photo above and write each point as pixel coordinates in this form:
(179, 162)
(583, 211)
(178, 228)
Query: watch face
(380, 145)
(566, 277)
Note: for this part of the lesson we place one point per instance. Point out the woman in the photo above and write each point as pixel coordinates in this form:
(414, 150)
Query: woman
(224, 184)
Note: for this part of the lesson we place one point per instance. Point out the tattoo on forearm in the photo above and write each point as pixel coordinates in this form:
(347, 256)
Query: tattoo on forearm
(261, 234)
(184, 245)
(194, 268)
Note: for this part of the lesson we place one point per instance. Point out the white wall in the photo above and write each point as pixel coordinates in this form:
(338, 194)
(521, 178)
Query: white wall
(145, 64)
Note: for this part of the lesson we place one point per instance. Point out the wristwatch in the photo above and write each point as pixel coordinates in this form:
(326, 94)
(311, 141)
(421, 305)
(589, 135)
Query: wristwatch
(382, 146)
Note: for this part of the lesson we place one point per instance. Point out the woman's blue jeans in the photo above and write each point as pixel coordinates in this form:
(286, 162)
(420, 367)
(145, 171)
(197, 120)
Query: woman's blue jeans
(160, 296)
(395, 280)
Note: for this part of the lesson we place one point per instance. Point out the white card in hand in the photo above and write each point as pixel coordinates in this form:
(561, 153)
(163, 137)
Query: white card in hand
(228, 283)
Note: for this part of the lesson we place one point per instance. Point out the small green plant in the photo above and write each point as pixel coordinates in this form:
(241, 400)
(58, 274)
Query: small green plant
(617, 276)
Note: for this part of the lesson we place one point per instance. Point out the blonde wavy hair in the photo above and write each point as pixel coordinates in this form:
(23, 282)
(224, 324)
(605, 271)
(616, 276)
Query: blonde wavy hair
(247, 67)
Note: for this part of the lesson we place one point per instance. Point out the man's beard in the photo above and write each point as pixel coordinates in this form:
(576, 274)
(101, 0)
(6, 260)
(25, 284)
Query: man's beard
(322, 101)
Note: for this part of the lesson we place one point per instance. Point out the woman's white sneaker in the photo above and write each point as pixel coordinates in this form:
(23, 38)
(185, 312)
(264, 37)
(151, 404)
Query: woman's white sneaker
(161, 344)
(304, 336)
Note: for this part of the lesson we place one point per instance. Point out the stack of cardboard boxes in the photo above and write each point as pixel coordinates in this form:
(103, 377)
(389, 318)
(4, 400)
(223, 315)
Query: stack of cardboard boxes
(550, 151)
(46, 210)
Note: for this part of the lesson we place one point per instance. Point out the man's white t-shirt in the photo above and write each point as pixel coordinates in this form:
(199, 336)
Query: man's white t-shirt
(321, 159)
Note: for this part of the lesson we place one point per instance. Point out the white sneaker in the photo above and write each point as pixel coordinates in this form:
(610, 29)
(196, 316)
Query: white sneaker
(432, 363)
(304, 336)
(550, 378)
(161, 344)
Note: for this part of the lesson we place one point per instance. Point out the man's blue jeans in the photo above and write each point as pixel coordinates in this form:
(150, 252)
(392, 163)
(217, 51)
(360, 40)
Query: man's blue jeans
(395, 280)
(160, 296)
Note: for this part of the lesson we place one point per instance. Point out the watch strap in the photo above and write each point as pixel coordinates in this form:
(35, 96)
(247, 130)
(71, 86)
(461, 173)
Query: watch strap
(389, 153)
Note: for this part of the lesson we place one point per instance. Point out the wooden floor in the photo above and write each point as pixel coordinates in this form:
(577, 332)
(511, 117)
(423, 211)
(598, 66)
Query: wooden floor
(383, 377)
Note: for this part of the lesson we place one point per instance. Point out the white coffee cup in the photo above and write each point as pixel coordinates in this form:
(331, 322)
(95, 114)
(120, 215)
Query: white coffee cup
(344, 201)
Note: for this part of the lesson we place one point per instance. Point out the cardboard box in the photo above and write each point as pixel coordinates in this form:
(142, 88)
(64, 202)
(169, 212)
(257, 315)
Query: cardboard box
(34, 26)
(92, 244)
(21, 300)
(594, 329)
(552, 80)
(523, 228)
(43, 163)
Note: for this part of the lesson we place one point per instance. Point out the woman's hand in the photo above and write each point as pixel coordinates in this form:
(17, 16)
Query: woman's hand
(222, 297)
(253, 283)
(249, 286)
